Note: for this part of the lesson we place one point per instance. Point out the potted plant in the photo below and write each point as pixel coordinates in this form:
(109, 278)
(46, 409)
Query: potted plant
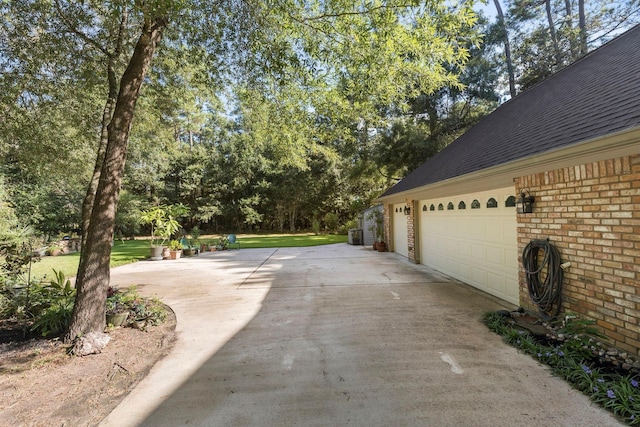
(175, 249)
(116, 311)
(377, 227)
(194, 243)
(222, 244)
(164, 222)
(54, 249)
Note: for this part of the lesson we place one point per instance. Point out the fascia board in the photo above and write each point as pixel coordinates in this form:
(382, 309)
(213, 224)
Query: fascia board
(620, 144)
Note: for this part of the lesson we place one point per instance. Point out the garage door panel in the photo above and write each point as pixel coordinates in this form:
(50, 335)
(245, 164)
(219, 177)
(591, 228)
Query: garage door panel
(496, 281)
(464, 249)
(478, 252)
(495, 255)
(477, 246)
(479, 275)
(464, 270)
(476, 229)
(493, 226)
(511, 257)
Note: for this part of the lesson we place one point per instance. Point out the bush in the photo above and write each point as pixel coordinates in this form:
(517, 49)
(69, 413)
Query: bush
(331, 222)
(344, 229)
(57, 300)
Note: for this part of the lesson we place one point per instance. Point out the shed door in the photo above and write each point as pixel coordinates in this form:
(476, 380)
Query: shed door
(473, 237)
(400, 238)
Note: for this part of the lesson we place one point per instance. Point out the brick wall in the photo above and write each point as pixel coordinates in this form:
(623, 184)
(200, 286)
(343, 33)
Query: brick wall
(411, 232)
(591, 213)
(386, 211)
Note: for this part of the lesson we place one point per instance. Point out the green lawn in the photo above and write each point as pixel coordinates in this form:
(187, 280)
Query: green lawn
(133, 250)
(288, 240)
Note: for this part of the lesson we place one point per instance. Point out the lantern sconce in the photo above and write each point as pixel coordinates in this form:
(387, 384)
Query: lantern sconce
(524, 204)
(407, 210)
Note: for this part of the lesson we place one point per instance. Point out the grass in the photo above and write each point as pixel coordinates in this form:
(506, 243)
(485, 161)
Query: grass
(288, 240)
(134, 250)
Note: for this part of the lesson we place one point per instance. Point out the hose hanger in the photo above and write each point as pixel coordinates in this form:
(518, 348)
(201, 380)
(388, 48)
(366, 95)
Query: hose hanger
(547, 293)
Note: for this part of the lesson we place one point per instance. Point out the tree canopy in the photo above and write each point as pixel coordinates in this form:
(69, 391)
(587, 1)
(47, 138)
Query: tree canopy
(276, 115)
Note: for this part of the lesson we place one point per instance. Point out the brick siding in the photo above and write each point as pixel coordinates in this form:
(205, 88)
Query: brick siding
(386, 211)
(591, 213)
(411, 232)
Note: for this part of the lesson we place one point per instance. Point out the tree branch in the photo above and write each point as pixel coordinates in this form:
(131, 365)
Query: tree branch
(79, 33)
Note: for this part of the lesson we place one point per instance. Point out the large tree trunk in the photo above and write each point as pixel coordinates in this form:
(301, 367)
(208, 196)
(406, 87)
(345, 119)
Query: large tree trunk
(87, 204)
(112, 85)
(507, 49)
(93, 273)
(292, 219)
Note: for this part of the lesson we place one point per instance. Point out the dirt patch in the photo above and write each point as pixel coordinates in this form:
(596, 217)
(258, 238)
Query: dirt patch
(41, 385)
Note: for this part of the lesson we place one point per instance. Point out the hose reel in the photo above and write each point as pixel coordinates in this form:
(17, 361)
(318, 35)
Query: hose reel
(547, 293)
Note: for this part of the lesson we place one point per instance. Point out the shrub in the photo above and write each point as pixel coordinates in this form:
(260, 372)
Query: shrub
(55, 311)
(331, 222)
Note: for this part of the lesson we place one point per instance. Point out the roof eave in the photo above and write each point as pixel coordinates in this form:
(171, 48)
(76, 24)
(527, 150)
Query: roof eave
(614, 145)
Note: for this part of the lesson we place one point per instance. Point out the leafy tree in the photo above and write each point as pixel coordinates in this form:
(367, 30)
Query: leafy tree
(352, 53)
(551, 34)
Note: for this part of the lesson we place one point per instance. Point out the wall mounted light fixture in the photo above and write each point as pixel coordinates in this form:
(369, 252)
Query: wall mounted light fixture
(524, 204)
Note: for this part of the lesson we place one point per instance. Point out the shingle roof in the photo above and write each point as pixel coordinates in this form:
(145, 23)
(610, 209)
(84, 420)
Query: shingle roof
(597, 95)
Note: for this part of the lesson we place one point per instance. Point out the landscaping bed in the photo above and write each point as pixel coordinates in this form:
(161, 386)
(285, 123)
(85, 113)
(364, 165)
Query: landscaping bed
(610, 377)
(43, 386)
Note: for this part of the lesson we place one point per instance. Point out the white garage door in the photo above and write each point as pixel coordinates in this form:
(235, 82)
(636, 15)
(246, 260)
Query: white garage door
(473, 237)
(400, 240)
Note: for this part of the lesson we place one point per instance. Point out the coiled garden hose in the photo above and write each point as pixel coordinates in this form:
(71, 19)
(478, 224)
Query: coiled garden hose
(546, 295)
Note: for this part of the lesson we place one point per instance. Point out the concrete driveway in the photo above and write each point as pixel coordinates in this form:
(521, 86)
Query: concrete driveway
(335, 335)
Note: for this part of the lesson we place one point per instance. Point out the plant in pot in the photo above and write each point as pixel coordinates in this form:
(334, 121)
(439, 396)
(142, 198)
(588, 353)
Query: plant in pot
(377, 228)
(194, 243)
(116, 311)
(222, 244)
(54, 249)
(164, 222)
(175, 249)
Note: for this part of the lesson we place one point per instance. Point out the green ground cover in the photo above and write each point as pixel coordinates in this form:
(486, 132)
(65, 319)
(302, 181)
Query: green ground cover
(128, 251)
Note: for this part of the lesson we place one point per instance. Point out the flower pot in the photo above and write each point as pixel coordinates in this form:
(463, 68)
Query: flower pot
(381, 246)
(156, 253)
(165, 253)
(189, 252)
(54, 252)
(117, 319)
(175, 254)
